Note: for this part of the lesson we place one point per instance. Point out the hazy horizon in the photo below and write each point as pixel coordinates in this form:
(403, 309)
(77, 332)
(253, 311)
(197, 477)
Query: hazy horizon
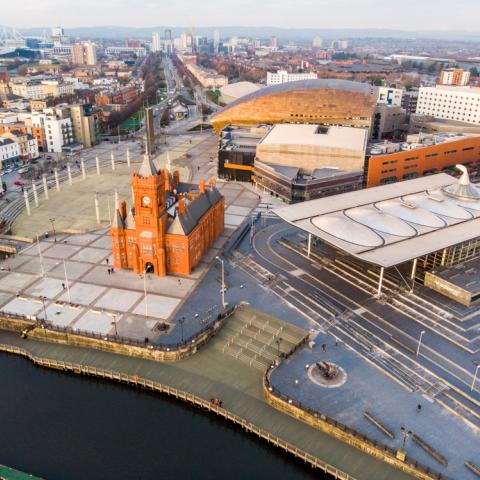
(410, 15)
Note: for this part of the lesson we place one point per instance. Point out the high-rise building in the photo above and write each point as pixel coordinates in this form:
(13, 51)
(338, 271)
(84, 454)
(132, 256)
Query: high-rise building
(84, 53)
(317, 42)
(168, 34)
(454, 76)
(450, 102)
(84, 125)
(340, 44)
(216, 41)
(273, 42)
(77, 53)
(90, 53)
(282, 76)
(156, 42)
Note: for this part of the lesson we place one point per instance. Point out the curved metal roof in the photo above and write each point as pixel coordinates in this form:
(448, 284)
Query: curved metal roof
(380, 221)
(313, 84)
(411, 213)
(351, 232)
(391, 224)
(439, 206)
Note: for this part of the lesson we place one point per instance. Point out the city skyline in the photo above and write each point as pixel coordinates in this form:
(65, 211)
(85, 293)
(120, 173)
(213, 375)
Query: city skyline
(442, 15)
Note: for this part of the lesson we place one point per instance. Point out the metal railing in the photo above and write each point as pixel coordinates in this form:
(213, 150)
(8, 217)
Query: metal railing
(185, 396)
(344, 428)
(204, 333)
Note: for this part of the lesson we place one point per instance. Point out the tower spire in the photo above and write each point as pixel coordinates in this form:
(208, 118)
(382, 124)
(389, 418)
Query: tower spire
(148, 168)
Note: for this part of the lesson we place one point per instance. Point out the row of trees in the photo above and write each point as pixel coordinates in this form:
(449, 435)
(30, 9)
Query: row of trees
(154, 79)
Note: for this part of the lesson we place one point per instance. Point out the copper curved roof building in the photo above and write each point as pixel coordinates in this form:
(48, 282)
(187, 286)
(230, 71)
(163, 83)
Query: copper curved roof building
(320, 101)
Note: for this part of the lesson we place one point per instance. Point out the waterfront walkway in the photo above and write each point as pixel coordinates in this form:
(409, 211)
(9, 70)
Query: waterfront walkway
(211, 373)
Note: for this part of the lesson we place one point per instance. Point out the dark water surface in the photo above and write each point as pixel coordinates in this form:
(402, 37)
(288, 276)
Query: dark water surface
(65, 427)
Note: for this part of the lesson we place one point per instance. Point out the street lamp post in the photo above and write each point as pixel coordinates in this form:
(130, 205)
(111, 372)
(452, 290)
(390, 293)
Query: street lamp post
(475, 377)
(419, 342)
(223, 281)
(52, 221)
(66, 281)
(278, 341)
(44, 309)
(114, 323)
(406, 434)
(145, 292)
(181, 321)
(40, 256)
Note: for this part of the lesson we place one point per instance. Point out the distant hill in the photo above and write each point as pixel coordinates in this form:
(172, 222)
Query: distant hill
(299, 34)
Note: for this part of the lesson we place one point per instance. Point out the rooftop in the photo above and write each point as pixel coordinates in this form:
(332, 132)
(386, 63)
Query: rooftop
(313, 84)
(348, 138)
(465, 275)
(391, 224)
(417, 141)
(462, 89)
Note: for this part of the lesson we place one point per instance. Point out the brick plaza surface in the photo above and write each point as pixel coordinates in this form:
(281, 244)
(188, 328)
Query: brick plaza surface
(367, 389)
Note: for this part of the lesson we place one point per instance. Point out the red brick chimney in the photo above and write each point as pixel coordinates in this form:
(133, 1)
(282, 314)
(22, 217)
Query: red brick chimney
(123, 210)
(181, 206)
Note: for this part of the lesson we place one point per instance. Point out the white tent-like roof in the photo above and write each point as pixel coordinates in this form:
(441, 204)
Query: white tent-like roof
(393, 223)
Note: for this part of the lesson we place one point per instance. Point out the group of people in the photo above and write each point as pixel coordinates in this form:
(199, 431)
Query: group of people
(110, 270)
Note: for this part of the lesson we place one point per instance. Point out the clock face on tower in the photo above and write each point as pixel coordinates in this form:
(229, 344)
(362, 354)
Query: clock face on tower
(146, 201)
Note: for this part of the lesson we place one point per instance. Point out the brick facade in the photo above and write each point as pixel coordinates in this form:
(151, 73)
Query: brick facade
(150, 238)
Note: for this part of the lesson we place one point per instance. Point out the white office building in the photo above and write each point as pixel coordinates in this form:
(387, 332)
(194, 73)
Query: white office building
(33, 90)
(317, 42)
(282, 76)
(90, 53)
(390, 96)
(461, 104)
(156, 47)
(9, 152)
(58, 132)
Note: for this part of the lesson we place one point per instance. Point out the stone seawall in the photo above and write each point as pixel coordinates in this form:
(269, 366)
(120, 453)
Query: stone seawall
(35, 331)
(352, 438)
(195, 400)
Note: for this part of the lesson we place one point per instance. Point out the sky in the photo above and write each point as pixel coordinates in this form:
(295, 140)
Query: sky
(403, 15)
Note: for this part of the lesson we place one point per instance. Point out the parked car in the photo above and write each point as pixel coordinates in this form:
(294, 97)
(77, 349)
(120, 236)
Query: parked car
(19, 183)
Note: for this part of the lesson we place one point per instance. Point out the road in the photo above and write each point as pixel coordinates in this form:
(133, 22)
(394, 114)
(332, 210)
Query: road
(342, 307)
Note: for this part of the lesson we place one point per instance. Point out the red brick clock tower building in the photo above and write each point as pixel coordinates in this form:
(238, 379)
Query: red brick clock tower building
(155, 239)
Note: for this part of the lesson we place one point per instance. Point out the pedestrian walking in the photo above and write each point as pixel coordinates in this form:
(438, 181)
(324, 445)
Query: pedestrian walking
(324, 347)
(63, 286)
(108, 271)
(106, 261)
(419, 408)
(112, 270)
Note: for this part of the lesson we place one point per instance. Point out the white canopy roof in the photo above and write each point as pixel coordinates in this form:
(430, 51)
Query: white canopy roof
(391, 224)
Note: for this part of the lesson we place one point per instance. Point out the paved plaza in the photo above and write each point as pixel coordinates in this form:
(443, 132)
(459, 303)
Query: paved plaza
(70, 274)
(387, 401)
(73, 207)
(88, 298)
